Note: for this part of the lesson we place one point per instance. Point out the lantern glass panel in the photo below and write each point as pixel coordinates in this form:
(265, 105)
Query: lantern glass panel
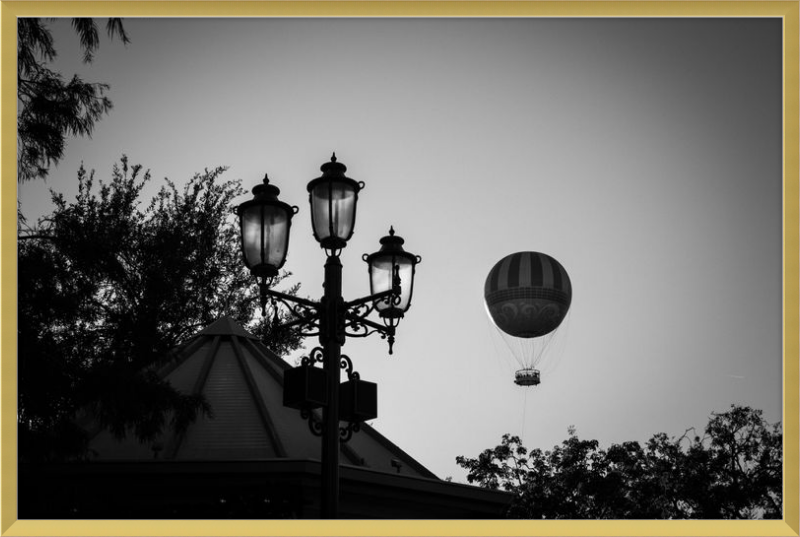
(333, 207)
(265, 234)
(381, 279)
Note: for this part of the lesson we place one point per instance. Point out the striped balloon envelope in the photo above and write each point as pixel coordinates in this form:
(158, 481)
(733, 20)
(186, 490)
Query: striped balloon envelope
(528, 294)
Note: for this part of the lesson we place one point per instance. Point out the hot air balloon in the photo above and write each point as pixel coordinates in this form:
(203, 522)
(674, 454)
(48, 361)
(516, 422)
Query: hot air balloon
(527, 295)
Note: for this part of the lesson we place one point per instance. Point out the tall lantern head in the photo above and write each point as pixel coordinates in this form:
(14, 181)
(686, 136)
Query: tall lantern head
(333, 198)
(389, 268)
(265, 223)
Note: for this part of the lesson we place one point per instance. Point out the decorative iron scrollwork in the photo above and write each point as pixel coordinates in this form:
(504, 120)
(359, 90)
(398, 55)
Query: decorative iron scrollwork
(305, 312)
(361, 310)
(347, 364)
(314, 423)
(297, 310)
(361, 327)
(346, 433)
(353, 328)
(315, 356)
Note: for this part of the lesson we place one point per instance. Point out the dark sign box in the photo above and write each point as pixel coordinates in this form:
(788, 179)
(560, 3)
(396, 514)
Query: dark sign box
(358, 401)
(305, 387)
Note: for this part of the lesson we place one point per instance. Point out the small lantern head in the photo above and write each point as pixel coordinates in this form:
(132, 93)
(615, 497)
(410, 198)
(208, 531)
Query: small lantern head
(389, 268)
(265, 222)
(333, 198)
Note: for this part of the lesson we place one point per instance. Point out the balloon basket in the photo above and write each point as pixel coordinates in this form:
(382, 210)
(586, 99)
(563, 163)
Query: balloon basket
(527, 377)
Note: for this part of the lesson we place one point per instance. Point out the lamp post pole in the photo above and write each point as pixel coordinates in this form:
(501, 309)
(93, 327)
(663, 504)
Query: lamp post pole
(332, 342)
(265, 223)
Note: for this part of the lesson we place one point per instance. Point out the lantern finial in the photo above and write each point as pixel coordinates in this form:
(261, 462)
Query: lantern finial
(265, 190)
(333, 157)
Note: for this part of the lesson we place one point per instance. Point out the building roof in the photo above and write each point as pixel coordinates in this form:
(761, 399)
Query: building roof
(242, 381)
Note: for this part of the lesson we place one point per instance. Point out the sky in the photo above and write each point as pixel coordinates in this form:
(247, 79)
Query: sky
(643, 154)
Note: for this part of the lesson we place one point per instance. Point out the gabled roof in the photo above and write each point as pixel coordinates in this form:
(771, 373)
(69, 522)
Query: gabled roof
(242, 380)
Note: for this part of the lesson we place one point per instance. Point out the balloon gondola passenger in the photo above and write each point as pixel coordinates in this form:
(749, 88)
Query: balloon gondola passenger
(527, 377)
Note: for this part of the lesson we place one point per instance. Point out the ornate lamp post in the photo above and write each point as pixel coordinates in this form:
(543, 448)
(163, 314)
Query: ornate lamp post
(265, 223)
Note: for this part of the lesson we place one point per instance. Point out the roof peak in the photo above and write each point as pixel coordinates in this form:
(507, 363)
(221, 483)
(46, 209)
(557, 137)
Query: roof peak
(225, 326)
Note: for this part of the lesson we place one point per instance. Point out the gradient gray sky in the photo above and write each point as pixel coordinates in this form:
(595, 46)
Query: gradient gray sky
(643, 154)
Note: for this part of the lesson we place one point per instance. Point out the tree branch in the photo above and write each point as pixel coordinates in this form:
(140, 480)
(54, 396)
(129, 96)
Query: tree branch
(36, 236)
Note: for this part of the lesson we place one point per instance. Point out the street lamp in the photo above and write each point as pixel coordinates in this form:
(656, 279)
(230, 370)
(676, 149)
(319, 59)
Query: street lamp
(384, 266)
(333, 198)
(265, 223)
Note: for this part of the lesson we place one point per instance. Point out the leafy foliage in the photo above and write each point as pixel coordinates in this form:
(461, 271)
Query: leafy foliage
(49, 107)
(108, 288)
(732, 472)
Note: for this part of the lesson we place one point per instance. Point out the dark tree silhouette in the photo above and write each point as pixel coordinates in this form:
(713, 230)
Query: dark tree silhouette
(732, 472)
(108, 287)
(50, 108)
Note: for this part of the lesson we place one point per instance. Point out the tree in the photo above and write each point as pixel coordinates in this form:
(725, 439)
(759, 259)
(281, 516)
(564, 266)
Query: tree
(732, 472)
(49, 108)
(108, 288)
